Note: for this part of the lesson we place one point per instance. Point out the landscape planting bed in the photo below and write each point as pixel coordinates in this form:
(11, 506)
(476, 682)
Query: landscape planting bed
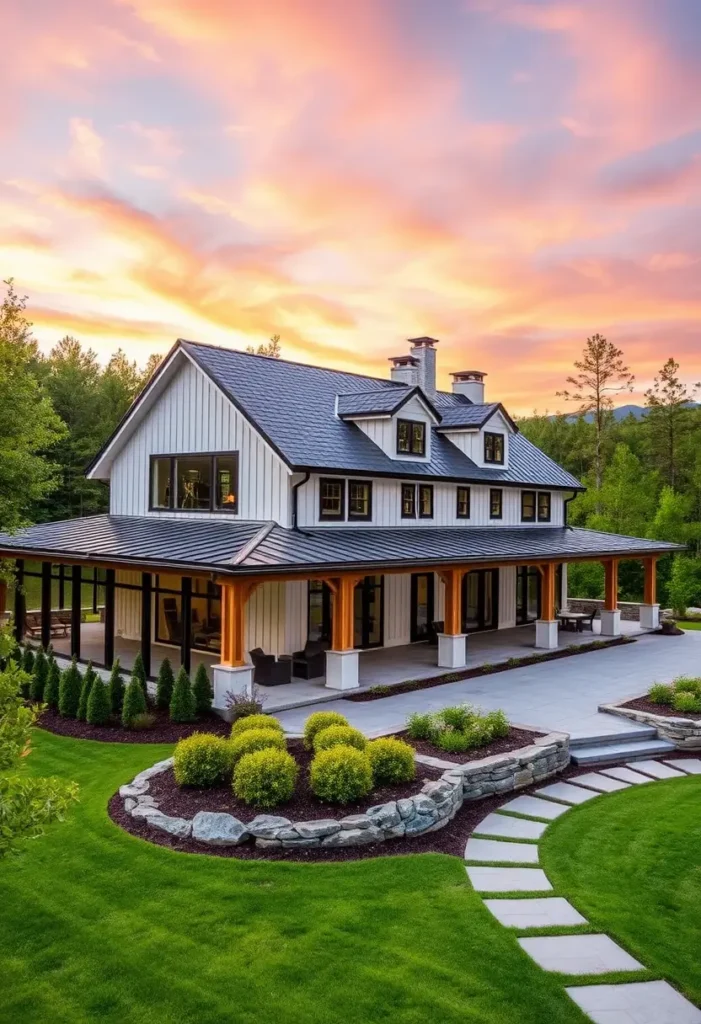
(665, 710)
(163, 731)
(516, 739)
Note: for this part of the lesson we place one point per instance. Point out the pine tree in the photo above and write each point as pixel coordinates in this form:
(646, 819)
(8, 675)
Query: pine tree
(99, 706)
(139, 672)
(182, 704)
(88, 682)
(69, 691)
(134, 702)
(52, 685)
(164, 685)
(669, 419)
(202, 690)
(116, 686)
(39, 676)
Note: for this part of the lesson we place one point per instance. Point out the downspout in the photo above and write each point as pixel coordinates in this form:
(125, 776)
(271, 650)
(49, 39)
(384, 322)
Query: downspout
(566, 509)
(295, 496)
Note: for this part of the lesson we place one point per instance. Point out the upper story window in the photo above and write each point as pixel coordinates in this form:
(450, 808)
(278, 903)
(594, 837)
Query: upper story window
(496, 496)
(528, 506)
(425, 501)
(463, 504)
(411, 437)
(494, 448)
(195, 483)
(544, 506)
(408, 501)
(332, 498)
(359, 500)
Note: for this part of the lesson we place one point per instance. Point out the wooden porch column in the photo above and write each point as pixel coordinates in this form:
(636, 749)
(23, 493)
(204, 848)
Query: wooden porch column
(546, 626)
(234, 595)
(452, 642)
(650, 609)
(610, 615)
(342, 659)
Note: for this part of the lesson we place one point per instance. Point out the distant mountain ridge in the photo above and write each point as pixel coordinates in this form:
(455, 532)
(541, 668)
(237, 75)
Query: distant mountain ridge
(638, 412)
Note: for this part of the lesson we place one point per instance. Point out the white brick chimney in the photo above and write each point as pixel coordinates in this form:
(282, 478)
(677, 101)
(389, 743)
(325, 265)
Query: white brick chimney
(423, 350)
(469, 383)
(405, 370)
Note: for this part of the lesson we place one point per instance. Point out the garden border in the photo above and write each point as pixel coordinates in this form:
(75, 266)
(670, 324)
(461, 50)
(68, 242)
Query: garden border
(684, 733)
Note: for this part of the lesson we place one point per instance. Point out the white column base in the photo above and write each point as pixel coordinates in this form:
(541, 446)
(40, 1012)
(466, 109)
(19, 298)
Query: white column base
(342, 670)
(228, 678)
(546, 634)
(650, 616)
(611, 623)
(452, 650)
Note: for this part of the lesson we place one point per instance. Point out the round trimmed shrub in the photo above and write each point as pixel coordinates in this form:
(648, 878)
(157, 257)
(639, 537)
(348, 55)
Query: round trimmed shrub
(266, 777)
(660, 694)
(255, 739)
(685, 700)
(318, 721)
(341, 775)
(392, 761)
(340, 736)
(202, 760)
(254, 722)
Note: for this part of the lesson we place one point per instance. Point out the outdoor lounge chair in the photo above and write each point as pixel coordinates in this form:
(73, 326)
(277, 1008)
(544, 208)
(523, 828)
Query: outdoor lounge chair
(269, 671)
(311, 662)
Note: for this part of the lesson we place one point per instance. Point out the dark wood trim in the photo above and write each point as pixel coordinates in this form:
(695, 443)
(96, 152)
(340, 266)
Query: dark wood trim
(186, 623)
(76, 609)
(429, 489)
(458, 513)
(45, 604)
(492, 434)
(110, 576)
(61, 587)
(146, 602)
(414, 635)
(354, 517)
(332, 517)
(526, 518)
(212, 456)
(20, 601)
(500, 492)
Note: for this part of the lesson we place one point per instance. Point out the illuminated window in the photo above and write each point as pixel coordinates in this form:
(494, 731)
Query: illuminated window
(494, 448)
(544, 506)
(463, 509)
(495, 503)
(527, 506)
(408, 501)
(411, 437)
(425, 501)
(195, 483)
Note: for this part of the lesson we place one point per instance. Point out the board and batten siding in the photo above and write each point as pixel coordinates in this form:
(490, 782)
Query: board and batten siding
(471, 442)
(382, 430)
(507, 596)
(386, 506)
(194, 416)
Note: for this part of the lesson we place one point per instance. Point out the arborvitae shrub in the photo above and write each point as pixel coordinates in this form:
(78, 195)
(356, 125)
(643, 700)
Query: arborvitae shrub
(182, 703)
(88, 682)
(69, 691)
(202, 760)
(164, 684)
(340, 736)
(99, 704)
(254, 722)
(392, 761)
(202, 690)
(318, 721)
(116, 686)
(266, 778)
(341, 775)
(28, 660)
(53, 683)
(39, 676)
(255, 739)
(139, 672)
(134, 702)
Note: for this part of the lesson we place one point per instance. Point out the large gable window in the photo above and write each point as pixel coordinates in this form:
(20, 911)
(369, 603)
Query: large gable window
(494, 448)
(411, 437)
(332, 499)
(195, 483)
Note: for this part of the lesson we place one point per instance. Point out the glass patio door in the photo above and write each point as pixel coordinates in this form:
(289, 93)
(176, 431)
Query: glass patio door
(527, 594)
(480, 600)
(421, 606)
(367, 613)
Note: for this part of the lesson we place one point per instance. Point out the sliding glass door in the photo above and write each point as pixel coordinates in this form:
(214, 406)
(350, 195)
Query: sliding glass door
(480, 600)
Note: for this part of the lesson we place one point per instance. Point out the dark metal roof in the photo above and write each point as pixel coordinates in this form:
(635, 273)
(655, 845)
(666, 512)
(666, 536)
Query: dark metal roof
(209, 545)
(382, 401)
(467, 415)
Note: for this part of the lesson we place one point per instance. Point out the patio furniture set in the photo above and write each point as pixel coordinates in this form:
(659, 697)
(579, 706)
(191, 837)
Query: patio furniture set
(306, 664)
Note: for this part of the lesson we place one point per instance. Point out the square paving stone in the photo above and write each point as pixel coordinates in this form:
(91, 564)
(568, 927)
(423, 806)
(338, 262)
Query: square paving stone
(564, 791)
(579, 954)
(656, 769)
(638, 1002)
(626, 775)
(690, 765)
(541, 912)
(493, 850)
(602, 783)
(508, 879)
(512, 828)
(534, 807)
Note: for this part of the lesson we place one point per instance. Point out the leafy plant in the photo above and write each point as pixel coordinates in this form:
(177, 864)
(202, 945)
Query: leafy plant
(381, 690)
(202, 690)
(99, 706)
(116, 688)
(688, 684)
(498, 723)
(182, 703)
(420, 726)
(164, 684)
(661, 694)
(139, 672)
(318, 721)
(69, 690)
(392, 761)
(255, 739)
(458, 717)
(338, 736)
(134, 703)
(85, 690)
(341, 775)
(685, 700)
(53, 683)
(453, 741)
(202, 760)
(255, 722)
(40, 674)
(479, 733)
(244, 704)
(143, 722)
(265, 778)
(487, 667)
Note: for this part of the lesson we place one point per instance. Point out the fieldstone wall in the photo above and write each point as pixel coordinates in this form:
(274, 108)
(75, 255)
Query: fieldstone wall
(684, 733)
(630, 610)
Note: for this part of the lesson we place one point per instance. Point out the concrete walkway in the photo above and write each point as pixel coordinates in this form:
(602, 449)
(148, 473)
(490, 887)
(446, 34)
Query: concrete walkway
(557, 695)
(500, 839)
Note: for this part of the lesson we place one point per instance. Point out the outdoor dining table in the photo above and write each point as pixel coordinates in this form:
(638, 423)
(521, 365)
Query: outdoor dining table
(572, 620)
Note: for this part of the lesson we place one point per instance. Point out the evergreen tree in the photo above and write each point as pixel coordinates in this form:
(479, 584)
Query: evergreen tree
(52, 685)
(28, 660)
(139, 672)
(39, 676)
(88, 682)
(164, 685)
(99, 706)
(182, 704)
(134, 702)
(69, 691)
(669, 419)
(202, 690)
(116, 686)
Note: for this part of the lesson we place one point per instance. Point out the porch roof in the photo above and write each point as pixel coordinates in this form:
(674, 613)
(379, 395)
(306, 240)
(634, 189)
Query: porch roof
(253, 548)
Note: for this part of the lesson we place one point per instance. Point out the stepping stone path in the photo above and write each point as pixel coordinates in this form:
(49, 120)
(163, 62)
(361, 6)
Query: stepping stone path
(579, 953)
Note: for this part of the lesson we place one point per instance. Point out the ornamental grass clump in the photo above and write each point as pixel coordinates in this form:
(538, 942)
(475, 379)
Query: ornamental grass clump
(265, 778)
(340, 736)
(318, 721)
(661, 694)
(254, 722)
(182, 703)
(99, 705)
(69, 691)
(420, 726)
(341, 775)
(255, 739)
(392, 761)
(202, 760)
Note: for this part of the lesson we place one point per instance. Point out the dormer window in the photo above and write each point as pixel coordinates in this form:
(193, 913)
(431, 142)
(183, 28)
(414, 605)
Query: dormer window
(411, 437)
(494, 448)
(194, 483)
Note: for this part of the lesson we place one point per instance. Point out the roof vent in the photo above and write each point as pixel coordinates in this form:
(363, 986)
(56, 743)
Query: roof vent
(469, 383)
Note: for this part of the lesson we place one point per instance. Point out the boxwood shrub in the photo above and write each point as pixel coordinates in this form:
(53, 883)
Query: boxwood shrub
(202, 760)
(254, 722)
(255, 739)
(339, 736)
(341, 775)
(318, 721)
(392, 761)
(265, 778)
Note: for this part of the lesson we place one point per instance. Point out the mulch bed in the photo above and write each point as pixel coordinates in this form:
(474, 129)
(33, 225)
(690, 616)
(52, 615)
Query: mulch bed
(516, 739)
(450, 840)
(380, 692)
(645, 704)
(164, 731)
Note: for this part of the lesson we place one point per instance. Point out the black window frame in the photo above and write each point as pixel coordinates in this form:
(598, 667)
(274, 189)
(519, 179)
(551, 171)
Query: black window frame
(490, 437)
(414, 447)
(231, 509)
(548, 495)
(362, 517)
(458, 513)
(332, 517)
(424, 489)
(534, 497)
(492, 492)
(412, 488)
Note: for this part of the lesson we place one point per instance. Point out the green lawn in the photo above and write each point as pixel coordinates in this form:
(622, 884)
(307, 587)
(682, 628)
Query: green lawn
(689, 625)
(98, 925)
(631, 863)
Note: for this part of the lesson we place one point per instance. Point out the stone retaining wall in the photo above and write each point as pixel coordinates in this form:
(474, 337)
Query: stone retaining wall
(630, 610)
(684, 733)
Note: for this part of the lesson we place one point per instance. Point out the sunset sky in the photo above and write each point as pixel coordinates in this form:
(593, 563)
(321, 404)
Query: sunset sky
(508, 177)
